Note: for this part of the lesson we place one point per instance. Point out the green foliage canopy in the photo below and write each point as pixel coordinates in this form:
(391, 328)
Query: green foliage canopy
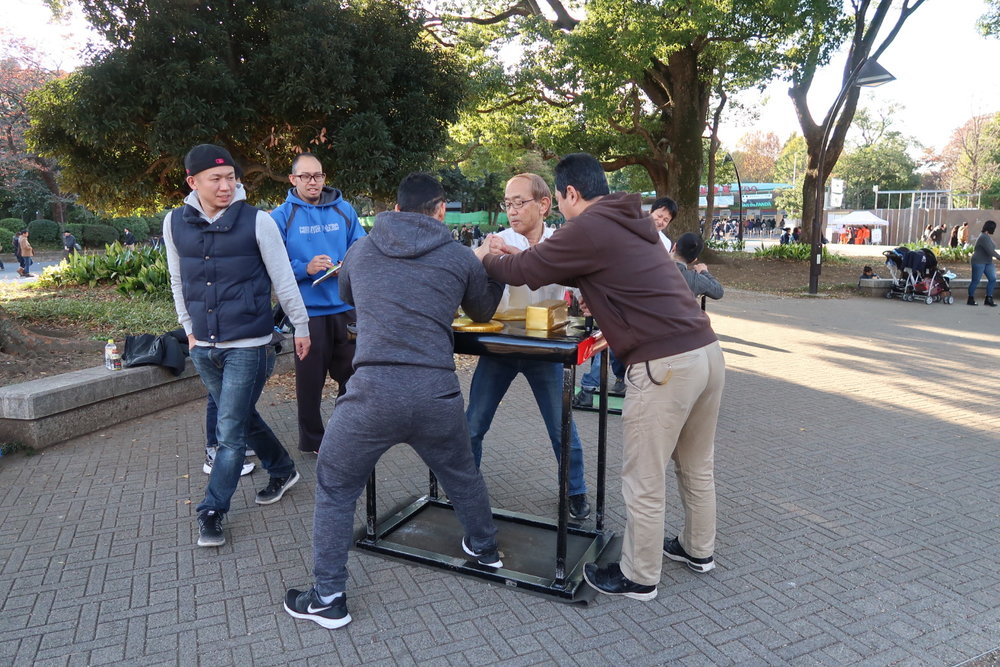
(361, 86)
(630, 83)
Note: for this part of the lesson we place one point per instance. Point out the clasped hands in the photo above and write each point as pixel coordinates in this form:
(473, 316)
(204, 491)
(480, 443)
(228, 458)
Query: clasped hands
(494, 245)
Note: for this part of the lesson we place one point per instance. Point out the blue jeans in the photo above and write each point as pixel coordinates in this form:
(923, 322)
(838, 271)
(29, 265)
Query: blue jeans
(489, 384)
(977, 273)
(235, 378)
(592, 378)
(211, 420)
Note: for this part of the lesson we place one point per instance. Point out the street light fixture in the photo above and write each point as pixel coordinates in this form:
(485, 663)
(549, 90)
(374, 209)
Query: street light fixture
(870, 74)
(739, 186)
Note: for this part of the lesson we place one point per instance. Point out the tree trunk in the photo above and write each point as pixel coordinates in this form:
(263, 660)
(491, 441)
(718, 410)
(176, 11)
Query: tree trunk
(677, 88)
(58, 206)
(713, 150)
(690, 105)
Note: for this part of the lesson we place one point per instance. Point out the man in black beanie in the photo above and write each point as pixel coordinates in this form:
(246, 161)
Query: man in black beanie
(224, 256)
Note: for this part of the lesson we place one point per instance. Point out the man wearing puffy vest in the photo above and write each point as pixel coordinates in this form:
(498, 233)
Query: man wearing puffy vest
(318, 226)
(224, 256)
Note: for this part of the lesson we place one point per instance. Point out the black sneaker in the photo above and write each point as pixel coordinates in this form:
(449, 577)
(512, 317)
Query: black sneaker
(276, 488)
(584, 398)
(210, 529)
(487, 558)
(579, 508)
(307, 605)
(673, 550)
(610, 581)
(618, 387)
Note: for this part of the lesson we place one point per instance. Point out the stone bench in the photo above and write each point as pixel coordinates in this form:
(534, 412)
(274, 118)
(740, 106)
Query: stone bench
(49, 410)
(879, 286)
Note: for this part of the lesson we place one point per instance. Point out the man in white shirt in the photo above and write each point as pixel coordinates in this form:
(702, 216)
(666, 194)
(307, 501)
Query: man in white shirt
(527, 200)
(663, 211)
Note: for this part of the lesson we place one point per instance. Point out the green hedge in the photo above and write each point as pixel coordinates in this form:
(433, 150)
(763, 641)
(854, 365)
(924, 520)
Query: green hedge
(10, 226)
(44, 231)
(96, 236)
(137, 225)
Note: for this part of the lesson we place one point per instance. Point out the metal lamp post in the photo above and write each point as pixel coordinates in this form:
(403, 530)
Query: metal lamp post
(870, 74)
(739, 188)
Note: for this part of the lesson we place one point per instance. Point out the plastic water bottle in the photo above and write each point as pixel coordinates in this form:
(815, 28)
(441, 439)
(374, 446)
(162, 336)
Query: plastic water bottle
(110, 351)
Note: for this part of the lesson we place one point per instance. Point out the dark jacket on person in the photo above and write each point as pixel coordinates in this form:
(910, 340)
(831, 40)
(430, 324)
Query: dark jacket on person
(226, 285)
(406, 279)
(612, 252)
(701, 283)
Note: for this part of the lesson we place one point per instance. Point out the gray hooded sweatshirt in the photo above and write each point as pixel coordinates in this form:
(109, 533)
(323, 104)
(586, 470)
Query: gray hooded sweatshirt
(406, 279)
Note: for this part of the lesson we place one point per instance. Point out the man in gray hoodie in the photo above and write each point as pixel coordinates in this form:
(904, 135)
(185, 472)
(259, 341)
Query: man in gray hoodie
(405, 359)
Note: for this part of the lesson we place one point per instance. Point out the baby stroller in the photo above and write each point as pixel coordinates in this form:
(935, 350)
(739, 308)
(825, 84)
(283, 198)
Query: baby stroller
(915, 275)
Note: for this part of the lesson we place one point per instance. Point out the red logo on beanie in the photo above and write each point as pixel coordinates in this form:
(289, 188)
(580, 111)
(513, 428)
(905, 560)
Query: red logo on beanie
(219, 160)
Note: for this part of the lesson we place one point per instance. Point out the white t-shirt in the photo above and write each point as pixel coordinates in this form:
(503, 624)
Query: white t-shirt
(520, 296)
(666, 242)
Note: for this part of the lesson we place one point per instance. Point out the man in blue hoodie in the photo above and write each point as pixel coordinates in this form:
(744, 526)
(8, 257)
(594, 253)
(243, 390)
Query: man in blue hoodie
(318, 227)
(405, 359)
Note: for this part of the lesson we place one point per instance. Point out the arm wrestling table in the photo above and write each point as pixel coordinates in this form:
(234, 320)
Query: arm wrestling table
(540, 555)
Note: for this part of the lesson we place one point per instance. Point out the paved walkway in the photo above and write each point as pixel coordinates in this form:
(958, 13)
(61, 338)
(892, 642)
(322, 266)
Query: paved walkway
(858, 464)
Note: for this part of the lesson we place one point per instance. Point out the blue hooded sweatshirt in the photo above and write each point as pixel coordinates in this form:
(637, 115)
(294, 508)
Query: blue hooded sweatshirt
(318, 229)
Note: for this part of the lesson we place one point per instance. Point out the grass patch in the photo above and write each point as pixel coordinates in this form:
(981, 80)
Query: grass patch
(102, 310)
(11, 448)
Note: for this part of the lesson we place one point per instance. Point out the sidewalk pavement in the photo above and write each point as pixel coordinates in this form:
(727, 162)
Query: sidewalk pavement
(859, 523)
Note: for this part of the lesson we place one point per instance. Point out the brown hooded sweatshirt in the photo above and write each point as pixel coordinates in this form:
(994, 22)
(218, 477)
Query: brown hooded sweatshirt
(612, 252)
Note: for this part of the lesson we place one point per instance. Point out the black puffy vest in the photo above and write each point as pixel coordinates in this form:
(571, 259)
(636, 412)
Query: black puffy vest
(226, 286)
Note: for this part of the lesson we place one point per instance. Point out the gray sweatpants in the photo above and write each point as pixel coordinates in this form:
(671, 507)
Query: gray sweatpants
(384, 406)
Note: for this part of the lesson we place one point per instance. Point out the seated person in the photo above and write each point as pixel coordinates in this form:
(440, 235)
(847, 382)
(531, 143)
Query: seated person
(685, 253)
(867, 273)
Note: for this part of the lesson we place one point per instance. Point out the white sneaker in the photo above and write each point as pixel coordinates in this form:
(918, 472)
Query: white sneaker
(248, 466)
(250, 452)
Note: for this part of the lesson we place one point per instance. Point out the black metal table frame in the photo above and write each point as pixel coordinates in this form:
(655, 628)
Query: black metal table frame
(570, 351)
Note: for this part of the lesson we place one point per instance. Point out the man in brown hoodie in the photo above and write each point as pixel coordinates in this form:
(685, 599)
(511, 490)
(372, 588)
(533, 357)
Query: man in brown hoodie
(611, 250)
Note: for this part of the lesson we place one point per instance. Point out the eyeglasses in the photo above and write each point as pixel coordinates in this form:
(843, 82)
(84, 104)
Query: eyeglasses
(311, 178)
(513, 205)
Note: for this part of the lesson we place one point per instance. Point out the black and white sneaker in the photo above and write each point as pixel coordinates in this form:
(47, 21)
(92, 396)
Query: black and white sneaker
(487, 558)
(276, 488)
(206, 468)
(579, 508)
(308, 606)
(610, 581)
(673, 550)
(584, 398)
(210, 529)
(249, 452)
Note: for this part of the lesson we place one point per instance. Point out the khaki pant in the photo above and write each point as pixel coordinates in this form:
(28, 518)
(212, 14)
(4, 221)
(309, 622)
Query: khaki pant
(671, 414)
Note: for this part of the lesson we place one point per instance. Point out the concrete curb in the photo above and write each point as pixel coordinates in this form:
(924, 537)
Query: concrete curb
(43, 412)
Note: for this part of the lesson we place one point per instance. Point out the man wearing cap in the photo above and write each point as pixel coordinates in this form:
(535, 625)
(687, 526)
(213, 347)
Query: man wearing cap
(224, 256)
(318, 226)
